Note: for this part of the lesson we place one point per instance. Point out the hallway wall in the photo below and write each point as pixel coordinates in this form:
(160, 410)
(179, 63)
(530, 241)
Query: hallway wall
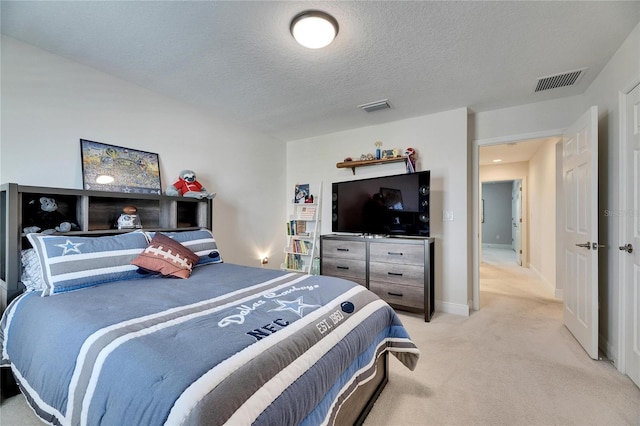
(496, 228)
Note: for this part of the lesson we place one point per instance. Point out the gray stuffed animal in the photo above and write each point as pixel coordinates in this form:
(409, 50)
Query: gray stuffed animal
(188, 186)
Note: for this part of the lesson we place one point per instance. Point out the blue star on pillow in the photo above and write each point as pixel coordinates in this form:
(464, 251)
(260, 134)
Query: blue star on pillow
(70, 247)
(295, 306)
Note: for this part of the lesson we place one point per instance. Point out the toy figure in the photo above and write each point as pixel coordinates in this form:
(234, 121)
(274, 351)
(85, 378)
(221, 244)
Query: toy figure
(188, 186)
(44, 216)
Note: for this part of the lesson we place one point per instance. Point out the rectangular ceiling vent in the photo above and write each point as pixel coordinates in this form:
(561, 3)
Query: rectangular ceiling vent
(375, 106)
(559, 80)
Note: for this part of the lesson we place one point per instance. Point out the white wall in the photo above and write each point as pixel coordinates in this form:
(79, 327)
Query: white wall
(542, 212)
(526, 121)
(441, 143)
(49, 103)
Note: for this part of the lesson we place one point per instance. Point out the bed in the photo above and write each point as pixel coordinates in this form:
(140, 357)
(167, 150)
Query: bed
(115, 341)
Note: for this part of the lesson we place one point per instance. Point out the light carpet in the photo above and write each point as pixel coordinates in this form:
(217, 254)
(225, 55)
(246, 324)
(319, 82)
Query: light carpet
(510, 363)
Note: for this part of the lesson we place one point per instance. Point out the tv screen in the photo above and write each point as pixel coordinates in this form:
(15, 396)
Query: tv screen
(387, 205)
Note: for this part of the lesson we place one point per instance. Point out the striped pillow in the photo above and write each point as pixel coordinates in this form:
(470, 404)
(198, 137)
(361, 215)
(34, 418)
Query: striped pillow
(201, 242)
(71, 263)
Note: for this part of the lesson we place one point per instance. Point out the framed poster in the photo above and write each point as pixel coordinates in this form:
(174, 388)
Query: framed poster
(117, 169)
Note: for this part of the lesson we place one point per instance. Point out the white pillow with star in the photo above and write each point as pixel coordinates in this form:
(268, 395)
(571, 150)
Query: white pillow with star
(71, 263)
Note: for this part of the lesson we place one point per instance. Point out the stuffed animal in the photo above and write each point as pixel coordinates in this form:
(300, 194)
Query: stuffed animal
(188, 186)
(43, 215)
(410, 153)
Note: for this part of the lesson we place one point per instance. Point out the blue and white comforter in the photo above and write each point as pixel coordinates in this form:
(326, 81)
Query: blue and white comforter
(231, 344)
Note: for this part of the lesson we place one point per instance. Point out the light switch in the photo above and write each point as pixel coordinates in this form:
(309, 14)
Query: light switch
(447, 216)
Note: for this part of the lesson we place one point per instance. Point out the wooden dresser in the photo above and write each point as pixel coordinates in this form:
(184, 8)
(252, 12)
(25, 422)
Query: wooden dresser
(399, 270)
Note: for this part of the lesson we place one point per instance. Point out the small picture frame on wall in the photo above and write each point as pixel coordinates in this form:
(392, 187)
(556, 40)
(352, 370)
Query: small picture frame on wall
(388, 153)
(115, 168)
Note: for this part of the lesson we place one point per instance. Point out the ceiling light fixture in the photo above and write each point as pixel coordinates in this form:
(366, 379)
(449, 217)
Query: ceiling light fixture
(497, 160)
(314, 29)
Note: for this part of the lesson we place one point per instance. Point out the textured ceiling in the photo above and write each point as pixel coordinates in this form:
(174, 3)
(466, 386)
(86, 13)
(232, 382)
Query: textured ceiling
(238, 59)
(513, 152)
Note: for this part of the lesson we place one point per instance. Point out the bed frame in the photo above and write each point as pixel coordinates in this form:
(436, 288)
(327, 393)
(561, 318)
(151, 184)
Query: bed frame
(353, 412)
(360, 403)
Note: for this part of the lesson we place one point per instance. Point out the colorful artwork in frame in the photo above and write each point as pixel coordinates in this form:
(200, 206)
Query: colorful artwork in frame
(117, 169)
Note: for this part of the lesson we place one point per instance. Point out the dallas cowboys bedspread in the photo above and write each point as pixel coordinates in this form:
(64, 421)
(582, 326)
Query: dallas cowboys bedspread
(231, 344)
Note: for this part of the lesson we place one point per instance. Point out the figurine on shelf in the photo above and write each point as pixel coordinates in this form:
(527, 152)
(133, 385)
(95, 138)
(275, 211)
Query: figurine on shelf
(42, 215)
(378, 145)
(410, 153)
(129, 218)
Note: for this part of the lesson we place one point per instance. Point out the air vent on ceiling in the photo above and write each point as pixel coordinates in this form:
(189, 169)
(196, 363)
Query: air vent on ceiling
(375, 106)
(564, 79)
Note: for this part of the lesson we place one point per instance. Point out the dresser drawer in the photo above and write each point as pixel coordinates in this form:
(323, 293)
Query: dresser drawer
(401, 295)
(346, 268)
(406, 254)
(410, 275)
(361, 281)
(344, 249)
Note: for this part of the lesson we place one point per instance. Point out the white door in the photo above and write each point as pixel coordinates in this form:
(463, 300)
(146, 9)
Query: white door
(580, 230)
(517, 219)
(631, 218)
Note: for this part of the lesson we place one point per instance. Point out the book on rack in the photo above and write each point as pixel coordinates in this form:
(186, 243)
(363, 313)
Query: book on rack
(308, 213)
(297, 227)
(301, 193)
(301, 246)
(293, 261)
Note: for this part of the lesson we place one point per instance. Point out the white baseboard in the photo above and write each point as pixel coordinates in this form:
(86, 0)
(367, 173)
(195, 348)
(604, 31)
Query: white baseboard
(551, 286)
(452, 308)
(500, 246)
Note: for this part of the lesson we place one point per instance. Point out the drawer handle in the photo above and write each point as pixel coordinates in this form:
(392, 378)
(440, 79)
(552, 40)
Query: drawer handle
(395, 274)
(342, 267)
(394, 294)
(391, 253)
(342, 249)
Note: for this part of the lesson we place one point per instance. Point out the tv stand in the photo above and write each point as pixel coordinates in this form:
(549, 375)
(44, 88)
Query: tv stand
(398, 269)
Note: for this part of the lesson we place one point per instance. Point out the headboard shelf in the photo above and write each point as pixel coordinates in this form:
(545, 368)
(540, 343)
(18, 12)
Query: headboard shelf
(95, 213)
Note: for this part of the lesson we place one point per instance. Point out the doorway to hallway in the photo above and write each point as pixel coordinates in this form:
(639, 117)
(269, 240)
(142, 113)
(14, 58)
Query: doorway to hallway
(501, 274)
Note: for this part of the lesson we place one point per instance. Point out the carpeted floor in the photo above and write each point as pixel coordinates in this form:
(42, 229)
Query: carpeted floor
(510, 363)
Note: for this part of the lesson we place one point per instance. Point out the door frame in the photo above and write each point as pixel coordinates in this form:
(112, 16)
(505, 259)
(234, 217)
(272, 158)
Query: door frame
(477, 243)
(520, 231)
(621, 365)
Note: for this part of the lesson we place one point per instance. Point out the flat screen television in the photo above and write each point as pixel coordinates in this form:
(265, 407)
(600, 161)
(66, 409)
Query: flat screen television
(387, 205)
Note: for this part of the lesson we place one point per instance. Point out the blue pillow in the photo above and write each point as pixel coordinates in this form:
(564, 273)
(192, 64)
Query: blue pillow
(201, 242)
(71, 263)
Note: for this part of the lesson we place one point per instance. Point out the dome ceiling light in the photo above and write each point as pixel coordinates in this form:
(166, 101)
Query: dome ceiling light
(314, 29)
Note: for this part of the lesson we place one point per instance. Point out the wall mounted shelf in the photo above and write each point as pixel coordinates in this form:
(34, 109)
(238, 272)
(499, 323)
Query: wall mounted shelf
(353, 164)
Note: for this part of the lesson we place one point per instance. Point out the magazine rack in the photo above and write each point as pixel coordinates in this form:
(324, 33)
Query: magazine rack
(303, 229)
